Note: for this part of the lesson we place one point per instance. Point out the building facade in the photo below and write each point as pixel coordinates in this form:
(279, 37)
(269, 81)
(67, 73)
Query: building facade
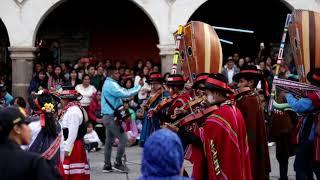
(22, 19)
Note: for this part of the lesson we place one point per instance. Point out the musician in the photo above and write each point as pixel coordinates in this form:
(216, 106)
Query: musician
(175, 84)
(307, 158)
(194, 152)
(224, 134)
(151, 120)
(250, 106)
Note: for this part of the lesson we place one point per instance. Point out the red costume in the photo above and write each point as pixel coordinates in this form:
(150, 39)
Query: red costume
(226, 147)
(250, 106)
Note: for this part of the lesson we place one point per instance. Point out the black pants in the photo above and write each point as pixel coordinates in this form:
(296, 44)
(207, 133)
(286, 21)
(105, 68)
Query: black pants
(92, 145)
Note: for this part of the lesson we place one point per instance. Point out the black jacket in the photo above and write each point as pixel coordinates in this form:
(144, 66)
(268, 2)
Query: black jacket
(16, 164)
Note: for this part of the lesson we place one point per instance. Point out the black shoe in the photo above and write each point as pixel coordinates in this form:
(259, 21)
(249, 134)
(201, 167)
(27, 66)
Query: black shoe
(120, 167)
(107, 168)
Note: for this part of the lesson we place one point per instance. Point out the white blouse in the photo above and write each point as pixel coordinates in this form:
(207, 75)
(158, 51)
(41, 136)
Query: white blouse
(86, 94)
(143, 91)
(71, 119)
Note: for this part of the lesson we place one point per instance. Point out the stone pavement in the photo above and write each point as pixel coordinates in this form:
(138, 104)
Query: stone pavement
(134, 164)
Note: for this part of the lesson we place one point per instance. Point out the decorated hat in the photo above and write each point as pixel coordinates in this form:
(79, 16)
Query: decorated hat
(69, 92)
(314, 77)
(175, 80)
(155, 76)
(217, 82)
(249, 71)
(200, 78)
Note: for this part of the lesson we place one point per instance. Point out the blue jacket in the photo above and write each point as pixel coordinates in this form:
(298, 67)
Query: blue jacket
(114, 93)
(299, 105)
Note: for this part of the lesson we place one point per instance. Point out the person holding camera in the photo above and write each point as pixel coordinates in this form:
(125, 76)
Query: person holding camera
(111, 99)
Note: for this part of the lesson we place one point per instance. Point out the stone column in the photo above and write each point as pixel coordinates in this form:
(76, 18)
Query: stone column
(22, 69)
(166, 54)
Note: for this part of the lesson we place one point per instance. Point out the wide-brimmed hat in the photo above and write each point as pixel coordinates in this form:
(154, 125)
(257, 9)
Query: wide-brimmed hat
(216, 82)
(69, 92)
(155, 76)
(249, 71)
(314, 77)
(175, 80)
(200, 78)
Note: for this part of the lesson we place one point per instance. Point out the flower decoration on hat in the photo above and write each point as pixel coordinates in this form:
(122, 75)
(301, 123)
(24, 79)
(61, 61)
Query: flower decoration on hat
(48, 107)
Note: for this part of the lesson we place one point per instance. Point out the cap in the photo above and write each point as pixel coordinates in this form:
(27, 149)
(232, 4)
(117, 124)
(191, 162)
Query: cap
(11, 116)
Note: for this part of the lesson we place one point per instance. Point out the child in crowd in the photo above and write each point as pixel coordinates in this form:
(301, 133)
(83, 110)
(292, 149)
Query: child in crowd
(91, 139)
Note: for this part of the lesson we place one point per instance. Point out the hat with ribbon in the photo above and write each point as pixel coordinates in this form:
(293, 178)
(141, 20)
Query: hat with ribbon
(155, 77)
(249, 71)
(200, 79)
(217, 82)
(69, 92)
(175, 80)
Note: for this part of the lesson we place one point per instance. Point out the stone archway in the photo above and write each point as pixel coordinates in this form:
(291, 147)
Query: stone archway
(94, 29)
(5, 61)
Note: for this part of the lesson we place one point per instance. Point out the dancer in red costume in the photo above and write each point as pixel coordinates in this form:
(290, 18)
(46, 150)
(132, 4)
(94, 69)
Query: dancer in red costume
(224, 135)
(73, 118)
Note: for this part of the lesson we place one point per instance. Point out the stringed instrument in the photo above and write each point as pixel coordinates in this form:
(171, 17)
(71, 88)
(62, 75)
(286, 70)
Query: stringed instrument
(200, 49)
(194, 117)
(304, 32)
(152, 99)
(164, 103)
(188, 106)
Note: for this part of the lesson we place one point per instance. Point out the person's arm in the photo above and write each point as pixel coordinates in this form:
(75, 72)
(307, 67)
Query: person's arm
(92, 111)
(74, 119)
(299, 105)
(116, 90)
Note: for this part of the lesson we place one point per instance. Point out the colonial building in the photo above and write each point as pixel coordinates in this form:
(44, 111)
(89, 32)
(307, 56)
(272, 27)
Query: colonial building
(25, 23)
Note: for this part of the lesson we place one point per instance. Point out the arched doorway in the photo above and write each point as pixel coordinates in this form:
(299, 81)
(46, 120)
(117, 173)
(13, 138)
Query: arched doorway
(115, 30)
(5, 61)
(266, 19)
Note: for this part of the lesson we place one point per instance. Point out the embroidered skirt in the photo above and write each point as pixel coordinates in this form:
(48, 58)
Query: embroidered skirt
(76, 166)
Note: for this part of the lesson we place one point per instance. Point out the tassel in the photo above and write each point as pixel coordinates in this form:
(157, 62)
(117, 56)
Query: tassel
(42, 120)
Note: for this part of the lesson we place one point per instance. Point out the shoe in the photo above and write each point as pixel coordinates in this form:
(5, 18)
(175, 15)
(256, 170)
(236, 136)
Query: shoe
(107, 168)
(120, 167)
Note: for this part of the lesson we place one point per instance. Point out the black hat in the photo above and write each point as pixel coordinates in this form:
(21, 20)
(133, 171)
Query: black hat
(175, 80)
(217, 82)
(249, 71)
(200, 78)
(314, 77)
(69, 92)
(10, 116)
(121, 113)
(155, 76)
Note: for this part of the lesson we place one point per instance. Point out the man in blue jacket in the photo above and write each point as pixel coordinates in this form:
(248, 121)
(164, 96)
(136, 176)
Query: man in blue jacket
(5, 97)
(112, 93)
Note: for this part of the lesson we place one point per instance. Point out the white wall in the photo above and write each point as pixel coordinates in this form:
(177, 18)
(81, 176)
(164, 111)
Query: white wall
(22, 21)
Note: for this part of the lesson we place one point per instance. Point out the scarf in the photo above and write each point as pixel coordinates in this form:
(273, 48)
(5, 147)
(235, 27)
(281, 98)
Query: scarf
(70, 104)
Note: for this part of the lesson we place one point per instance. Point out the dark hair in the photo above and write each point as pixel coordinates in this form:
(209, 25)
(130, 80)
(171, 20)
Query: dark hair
(85, 75)
(50, 126)
(89, 123)
(20, 102)
(254, 79)
(54, 76)
(91, 65)
(125, 82)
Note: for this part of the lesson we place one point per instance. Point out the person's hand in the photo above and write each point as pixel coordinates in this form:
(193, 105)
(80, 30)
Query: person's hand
(99, 120)
(141, 82)
(171, 127)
